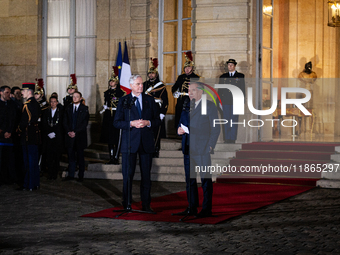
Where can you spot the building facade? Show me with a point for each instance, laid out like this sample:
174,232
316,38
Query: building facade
271,40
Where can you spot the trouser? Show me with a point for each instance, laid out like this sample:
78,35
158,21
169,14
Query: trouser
31,160
145,163
190,162
230,132
76,155
7,170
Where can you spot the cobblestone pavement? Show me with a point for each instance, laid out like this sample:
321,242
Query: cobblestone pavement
47,222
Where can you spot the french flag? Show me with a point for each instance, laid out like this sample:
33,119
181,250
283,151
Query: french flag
125,72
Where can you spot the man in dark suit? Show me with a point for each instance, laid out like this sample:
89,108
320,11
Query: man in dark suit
53,137
76,119
144,116
237,79
199,138
7,122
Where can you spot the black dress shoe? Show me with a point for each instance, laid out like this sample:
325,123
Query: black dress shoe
110,162
204,213
80,179
147,209
68,178
188,211
116,161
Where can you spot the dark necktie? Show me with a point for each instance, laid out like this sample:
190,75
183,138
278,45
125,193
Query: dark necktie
138,108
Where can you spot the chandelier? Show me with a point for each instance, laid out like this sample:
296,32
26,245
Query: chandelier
333,13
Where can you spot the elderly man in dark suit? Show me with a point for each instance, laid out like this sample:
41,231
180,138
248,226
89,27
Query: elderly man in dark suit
199,137
237,79
76,119
143,117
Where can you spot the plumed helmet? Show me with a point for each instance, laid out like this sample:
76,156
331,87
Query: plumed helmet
73,82
114,74
39,87
153,66
188,60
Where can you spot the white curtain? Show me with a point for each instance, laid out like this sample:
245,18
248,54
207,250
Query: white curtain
58,49
86,48
58,46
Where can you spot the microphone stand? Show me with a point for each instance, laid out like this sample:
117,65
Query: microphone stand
192,106
128,208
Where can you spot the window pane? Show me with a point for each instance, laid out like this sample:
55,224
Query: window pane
58,56
169,68
186,35
57,84
266,63
58,22
268,6
187,8
170,36
85,56
85,17
267,30
170,9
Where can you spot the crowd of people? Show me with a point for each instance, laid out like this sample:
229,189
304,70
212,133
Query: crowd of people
35,132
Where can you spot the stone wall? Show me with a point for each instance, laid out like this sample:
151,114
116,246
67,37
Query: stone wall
20,40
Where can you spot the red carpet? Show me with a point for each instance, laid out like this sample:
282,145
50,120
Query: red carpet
229,200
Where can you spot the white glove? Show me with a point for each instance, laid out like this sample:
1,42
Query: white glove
105,106
51,135
161,116
176,94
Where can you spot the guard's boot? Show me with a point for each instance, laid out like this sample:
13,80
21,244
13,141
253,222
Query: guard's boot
111,154
156,153
115,156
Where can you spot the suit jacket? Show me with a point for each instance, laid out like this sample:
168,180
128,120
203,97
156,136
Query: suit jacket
28,127
55,125
138,136
7,119
237,80
80,140
202,134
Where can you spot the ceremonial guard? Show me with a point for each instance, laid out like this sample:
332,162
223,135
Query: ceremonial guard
110,134
155,88
237,79
72,87
30,137
180,88
39,95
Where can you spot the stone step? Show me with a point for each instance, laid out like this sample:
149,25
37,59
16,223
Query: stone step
223,155
118,169
166,144
335,157
155,176
92,153
229,147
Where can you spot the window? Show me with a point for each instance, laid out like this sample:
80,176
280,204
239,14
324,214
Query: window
174,39
69,38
